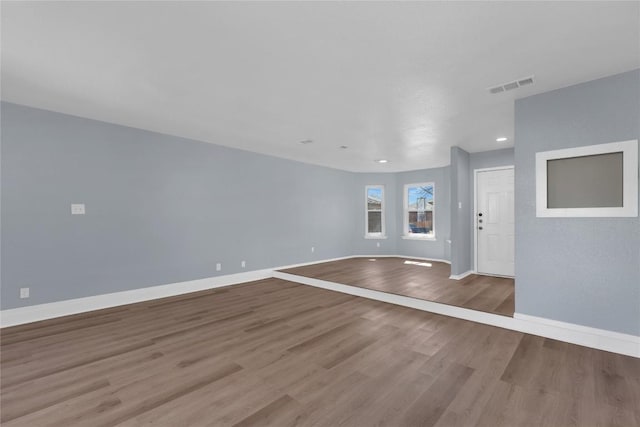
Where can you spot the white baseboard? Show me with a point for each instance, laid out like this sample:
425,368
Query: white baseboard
601,339
494,275
420,304
572,333
460,276
320,261
575,334
34,313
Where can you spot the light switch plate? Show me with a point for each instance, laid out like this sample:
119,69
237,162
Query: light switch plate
24,292
77,209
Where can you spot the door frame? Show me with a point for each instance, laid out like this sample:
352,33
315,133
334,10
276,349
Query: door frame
475,211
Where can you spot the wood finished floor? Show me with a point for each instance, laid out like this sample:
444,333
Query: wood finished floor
393,275
276,353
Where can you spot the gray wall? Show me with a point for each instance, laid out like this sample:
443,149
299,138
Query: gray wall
490,159
461,211
160,209
578,270
163,209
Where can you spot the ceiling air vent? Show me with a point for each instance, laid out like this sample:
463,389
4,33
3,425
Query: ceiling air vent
527,81
511,85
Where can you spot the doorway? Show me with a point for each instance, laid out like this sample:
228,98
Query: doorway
494,221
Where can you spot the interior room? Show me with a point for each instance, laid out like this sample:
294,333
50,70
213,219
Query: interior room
319,213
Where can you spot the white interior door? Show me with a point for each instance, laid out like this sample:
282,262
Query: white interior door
494,222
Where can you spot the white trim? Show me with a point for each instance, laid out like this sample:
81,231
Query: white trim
577,334
405,212
601,339
411,237
461,276
382,234
629,207
475,210
494,275
419,304
568,332
318,261
34,313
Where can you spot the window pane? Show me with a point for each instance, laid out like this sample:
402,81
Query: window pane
419,210
375,222
420,198
585,182
420,222
374,199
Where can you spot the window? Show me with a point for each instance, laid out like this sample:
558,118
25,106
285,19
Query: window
418,211
589,181
374,227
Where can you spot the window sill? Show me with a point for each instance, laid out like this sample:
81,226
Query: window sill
408,237
375,236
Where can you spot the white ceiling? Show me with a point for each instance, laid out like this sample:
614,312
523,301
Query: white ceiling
394,80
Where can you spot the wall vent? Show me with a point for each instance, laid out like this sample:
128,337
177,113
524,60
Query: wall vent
511,85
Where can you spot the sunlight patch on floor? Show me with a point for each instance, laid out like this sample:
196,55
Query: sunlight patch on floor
422,264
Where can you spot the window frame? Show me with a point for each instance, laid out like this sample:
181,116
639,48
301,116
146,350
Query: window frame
629,150
405,213
382,234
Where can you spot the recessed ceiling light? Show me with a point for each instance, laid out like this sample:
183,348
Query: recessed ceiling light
381,161
501,139
306,141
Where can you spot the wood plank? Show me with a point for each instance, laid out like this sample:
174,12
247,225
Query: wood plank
273,352
430,405
274,414
428,280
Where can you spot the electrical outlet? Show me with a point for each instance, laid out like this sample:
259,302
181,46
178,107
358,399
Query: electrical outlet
24,292
243,264
218,267
313,249
77,209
